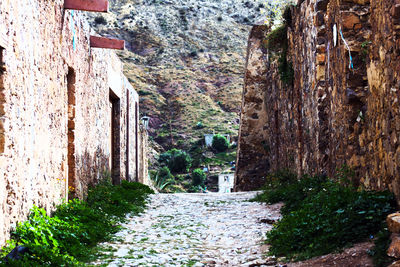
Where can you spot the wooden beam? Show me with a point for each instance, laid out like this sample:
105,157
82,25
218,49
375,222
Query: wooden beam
102,42
87,5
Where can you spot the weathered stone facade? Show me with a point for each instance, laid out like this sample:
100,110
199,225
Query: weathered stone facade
253,152
143,172
339,109
67,113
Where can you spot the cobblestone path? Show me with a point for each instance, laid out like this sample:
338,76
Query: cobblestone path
194,230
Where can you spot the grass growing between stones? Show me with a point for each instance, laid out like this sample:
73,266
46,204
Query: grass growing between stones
69,237
321,215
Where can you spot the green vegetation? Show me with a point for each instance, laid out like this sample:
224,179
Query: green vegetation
163,178
100,20
365,50
199,125
378,252
176,160
321,215
183,164
220,143
221,158
69,237
144,93
276,41
276,11
198,177
276,38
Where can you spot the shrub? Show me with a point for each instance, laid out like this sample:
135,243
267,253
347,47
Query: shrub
220,143
163,178
321,215
176,160
68,237
46,237
329,220
199,125
100,20
379,251
284,186
198,177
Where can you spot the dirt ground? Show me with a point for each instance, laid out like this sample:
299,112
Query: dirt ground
356,256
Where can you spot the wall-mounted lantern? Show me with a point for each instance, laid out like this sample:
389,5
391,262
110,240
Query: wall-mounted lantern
145,121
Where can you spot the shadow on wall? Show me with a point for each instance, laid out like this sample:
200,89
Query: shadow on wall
90,169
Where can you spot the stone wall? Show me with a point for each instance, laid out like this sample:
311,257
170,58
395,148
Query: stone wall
339,109
59,100
252,162
144,177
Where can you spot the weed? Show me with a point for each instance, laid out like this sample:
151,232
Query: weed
100,20
365,50
378,252
277,38
321,215
277,42
69,236
220,143
162,178
198,177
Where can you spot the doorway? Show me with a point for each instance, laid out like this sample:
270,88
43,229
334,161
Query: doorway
115,138
71,78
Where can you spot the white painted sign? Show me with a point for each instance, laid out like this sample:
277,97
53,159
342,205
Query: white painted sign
334,30
225,182
208,139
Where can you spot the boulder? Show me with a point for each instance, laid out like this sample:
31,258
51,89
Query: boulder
395,264
394,248
393,222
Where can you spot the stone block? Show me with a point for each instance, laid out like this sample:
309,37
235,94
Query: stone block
321,48
321,5
319,19
394,248
2,142
351,21
395,11
320,73
321,59
359,2
393,222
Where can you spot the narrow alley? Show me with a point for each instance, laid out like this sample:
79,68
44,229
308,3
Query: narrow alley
194,230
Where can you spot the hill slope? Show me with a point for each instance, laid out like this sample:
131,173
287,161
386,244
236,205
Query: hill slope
186,59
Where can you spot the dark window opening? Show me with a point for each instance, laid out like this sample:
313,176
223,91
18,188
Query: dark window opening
71,131
115,138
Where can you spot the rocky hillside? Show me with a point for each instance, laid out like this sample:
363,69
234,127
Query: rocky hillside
186,59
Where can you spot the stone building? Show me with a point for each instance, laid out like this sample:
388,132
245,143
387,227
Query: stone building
343,104
68,115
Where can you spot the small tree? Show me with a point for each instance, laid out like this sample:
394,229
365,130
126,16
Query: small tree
198,177
100,20
220,143
176,160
